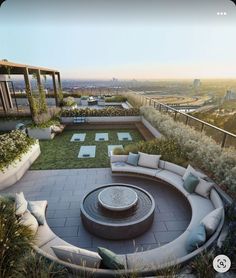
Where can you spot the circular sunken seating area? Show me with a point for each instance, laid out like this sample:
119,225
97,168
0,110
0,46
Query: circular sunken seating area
149,261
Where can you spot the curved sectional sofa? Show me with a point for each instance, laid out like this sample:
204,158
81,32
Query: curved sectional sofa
146,262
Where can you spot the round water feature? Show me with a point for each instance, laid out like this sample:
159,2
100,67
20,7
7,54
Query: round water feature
117,211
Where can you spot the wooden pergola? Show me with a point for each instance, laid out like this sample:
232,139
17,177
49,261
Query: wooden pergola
9,68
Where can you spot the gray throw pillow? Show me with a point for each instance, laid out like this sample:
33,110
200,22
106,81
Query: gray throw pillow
196,238
133,159
110,259
190,183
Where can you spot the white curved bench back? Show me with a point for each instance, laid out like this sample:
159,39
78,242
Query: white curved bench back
215,199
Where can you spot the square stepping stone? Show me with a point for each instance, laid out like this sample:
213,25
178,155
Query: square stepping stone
112,147
78,137
101,137
124,136
87,152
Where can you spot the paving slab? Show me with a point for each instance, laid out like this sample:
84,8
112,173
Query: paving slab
65,189
78,137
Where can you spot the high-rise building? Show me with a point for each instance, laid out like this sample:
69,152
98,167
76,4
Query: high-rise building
196,83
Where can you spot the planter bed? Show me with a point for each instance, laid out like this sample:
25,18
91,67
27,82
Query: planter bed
41,133
123,119
16,170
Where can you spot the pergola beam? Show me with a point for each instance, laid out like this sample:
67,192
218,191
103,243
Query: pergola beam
29,91
9,68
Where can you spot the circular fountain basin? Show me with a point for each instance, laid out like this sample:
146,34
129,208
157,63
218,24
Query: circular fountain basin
124,219
117,198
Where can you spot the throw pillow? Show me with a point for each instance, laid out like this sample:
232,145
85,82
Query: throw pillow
37,212
190,183
191,170
204,188
148,160
110,259
30,221
212,220
21,203
196,238
77,256
133,159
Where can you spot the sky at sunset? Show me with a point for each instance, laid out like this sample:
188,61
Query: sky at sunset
123,39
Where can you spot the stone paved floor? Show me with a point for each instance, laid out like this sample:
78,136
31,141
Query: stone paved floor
64,190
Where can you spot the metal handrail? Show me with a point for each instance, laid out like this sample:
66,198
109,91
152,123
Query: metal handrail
158,105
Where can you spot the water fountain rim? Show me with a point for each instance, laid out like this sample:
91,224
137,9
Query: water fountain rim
131,223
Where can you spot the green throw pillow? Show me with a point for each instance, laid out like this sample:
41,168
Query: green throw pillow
190,183
133,159
196,238
110,259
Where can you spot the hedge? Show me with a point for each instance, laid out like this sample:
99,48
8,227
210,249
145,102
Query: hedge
105,112
12,146
201,150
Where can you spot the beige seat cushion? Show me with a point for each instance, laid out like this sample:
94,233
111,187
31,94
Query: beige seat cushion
172,178
118,158
148,160
161,255
200,208
27,219
179,170
133,169
21,203
44,235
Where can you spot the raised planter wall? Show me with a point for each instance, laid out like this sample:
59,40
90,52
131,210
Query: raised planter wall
152,129
41,133
16,170
123,119
10,124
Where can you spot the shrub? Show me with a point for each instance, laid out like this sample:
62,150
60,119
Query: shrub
106,112
17,259
69,101
202,265
39,267
45,124
116,99
12,146
15,240
229,244
202,151
169,150
119,151
52,112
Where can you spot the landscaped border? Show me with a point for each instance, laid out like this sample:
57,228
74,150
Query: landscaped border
17,168
202,151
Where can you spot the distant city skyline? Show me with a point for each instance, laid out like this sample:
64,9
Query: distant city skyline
102,40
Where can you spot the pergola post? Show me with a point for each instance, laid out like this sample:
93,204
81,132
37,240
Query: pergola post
29,91
59,80
55,88
38,76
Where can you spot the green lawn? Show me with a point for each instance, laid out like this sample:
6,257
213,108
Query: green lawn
60,153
